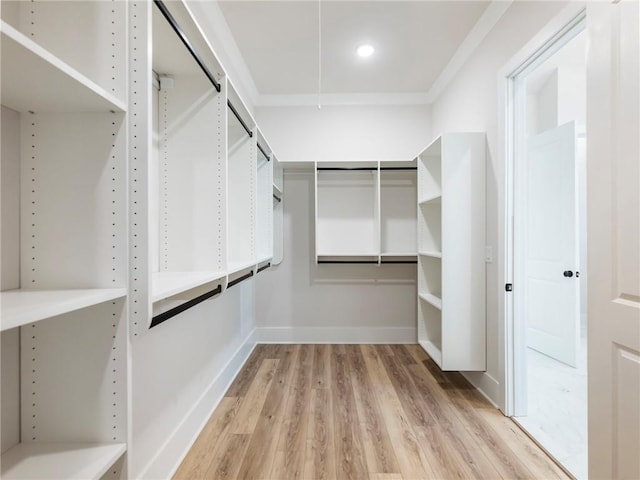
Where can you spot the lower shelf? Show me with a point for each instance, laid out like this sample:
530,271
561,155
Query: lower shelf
167,284
21,307
431,299
432,350
60,460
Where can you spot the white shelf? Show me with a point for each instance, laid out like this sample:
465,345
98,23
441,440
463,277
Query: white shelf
40,82
60,460
21,307
167,284
435,198
431,254
432,350
277,191
431,299
234,267
264,258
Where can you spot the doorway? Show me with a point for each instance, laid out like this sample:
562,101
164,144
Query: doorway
549,315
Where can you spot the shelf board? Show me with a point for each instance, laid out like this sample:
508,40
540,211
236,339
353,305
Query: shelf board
430,254
277,191
264,258
432,350
60,460
431,299
21,307
235,267
434,198
35,80
167,284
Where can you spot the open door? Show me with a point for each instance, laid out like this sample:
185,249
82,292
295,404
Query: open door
613,178
551,302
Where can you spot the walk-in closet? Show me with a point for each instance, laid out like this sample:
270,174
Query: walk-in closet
308,239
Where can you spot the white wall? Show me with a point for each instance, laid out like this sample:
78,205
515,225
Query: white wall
470,103
180,371
350,132
299,300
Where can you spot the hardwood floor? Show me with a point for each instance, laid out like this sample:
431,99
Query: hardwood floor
374,412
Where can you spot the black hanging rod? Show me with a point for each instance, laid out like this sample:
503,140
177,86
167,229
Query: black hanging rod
263,152
235,112
238,280
176,28
264,267
348,168
277,198
368,262
164,316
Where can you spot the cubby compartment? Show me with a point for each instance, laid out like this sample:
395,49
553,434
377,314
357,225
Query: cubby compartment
187,169
242,164
63,204
67,387
398,190
347,220
430,227
264,198
430,329
430,281
88,38
430,173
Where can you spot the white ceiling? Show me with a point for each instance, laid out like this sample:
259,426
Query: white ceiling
414,42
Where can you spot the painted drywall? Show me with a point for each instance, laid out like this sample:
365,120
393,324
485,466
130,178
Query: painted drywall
470,103
180,370
345,132
299,301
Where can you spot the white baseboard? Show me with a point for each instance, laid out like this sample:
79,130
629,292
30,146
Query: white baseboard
336,335
488,386
168,458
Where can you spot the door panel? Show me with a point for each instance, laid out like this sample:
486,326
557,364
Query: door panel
613,178
551,300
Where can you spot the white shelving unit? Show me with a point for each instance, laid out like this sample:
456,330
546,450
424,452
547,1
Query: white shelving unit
242,178
264,201
188,210
278,211
64,235
451,238
366,212
398,190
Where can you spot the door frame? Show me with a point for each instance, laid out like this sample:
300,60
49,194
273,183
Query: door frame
563,28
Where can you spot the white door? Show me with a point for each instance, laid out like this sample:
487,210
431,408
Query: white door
552,288
613,239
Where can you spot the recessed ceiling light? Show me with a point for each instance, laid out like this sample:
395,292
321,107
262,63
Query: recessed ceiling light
365,51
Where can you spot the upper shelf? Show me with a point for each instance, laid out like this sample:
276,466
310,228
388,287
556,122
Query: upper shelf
21,307
34,80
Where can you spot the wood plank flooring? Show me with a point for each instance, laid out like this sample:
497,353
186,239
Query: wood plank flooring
361,412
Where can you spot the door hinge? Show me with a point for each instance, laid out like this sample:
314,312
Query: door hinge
508,287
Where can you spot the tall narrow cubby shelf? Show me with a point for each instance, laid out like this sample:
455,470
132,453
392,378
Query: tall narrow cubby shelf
451,239
264,203
64,235
187,167
278,211
242,177
365,212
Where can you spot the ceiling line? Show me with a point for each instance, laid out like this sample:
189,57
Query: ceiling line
480,30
